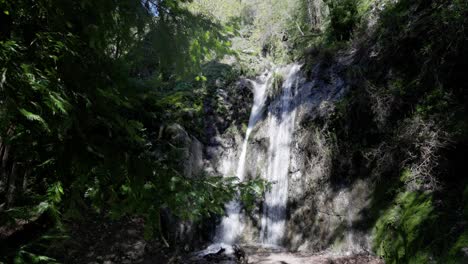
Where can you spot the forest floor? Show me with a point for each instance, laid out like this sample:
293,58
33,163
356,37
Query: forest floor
305,258
95,241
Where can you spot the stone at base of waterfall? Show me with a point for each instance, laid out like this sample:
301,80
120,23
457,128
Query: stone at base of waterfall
220,253
216,248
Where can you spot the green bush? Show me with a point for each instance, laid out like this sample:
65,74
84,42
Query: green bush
344,16
400,232
455,254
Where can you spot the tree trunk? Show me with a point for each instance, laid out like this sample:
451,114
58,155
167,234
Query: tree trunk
4,163
23,183
11,189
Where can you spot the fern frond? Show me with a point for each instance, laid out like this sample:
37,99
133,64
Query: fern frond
33,117
58,103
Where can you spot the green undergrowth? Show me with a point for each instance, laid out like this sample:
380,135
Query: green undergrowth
412,83
402,231
414,230
455,254
183,106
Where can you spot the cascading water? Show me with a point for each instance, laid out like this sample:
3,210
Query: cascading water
231,226
281,115
301,190
281,118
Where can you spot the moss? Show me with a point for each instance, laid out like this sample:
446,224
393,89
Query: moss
277,84
244,128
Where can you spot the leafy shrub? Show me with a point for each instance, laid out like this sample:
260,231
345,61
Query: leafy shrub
344,16
400,232
455,255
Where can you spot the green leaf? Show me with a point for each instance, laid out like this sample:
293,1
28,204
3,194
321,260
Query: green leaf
42,207
33,117
55,193
58,103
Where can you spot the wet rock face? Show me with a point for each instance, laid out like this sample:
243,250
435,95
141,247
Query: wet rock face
226,109
226,115
326,209
323,212
320,215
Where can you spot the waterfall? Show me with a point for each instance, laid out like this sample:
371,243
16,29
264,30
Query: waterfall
281,126
231,226
281,115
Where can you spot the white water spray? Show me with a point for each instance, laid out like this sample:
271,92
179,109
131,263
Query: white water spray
281,115
231,226
281,118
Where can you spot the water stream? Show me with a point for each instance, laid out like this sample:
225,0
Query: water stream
281,115
231,226
281,127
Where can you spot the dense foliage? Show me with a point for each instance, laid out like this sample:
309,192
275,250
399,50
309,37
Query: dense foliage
405,126
99,100
78,118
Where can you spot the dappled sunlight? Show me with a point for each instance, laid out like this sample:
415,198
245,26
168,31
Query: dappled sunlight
233,132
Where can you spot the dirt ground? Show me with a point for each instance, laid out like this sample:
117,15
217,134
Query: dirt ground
122,242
